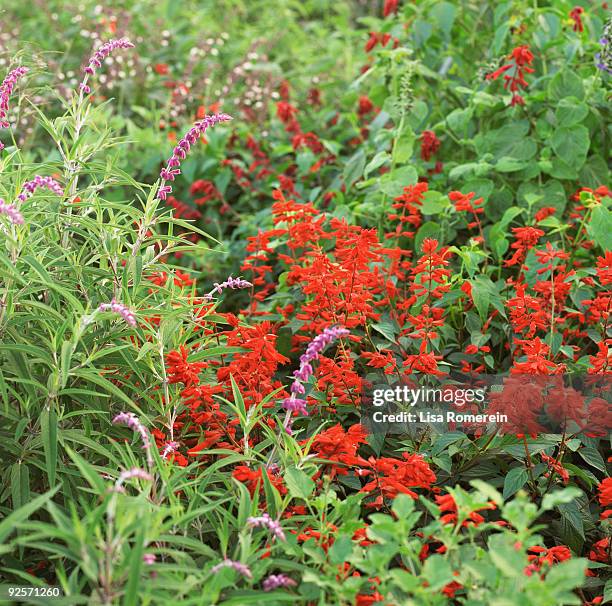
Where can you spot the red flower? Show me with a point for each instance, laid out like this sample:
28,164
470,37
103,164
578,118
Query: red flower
605,492
448,507
521,60
285,111
600,551
465,202
540,557
527,312
161,69
429,144
390,7
409,203
576,16
253,479
544,212
537,361
205,189
337,445
556,467
604,268
383,359
525,238
181,371
601,362
391,477
521,400
550,254
375,39
365,106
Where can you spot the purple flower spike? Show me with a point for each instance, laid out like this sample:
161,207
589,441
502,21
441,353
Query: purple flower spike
294,404
179,153
47,182
304,372
149,558
96,59
274,581
604,57
232,283
6,89
10,210
265,521
239,567
169,448
120,309
134,473
133,422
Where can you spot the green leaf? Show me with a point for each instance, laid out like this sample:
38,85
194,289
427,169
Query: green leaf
592,457
404,147
298,483
571,513
571,111
354,168
607,594
444,13
484,294
506,164
394,182
566,83
48,428
387,328
568,575
20,484
571,144
135,565
434,203
560,497
437,571
515,479
427,230
376,162
8,525
87,471
341,549
403,506
600,227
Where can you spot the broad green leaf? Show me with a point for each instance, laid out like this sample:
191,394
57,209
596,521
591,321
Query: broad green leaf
515,479
298,483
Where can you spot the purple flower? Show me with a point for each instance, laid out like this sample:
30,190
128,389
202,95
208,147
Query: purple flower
179,153
134,473
149,558
274,581
120,309
229,283
96,59
133,422
304,372
31,186
265,521
604,57
10,210
169,448
130,474
239,567
6,88
294,404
